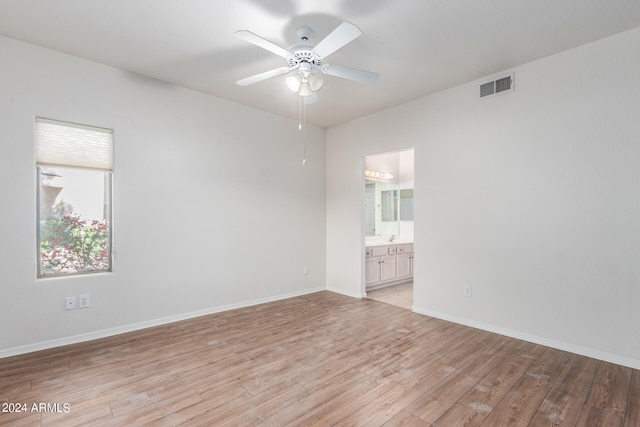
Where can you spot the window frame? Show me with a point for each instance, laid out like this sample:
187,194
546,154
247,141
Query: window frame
107,210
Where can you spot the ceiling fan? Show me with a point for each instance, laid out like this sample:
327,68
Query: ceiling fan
305,58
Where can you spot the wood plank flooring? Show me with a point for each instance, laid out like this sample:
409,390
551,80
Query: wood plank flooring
399,295
320,359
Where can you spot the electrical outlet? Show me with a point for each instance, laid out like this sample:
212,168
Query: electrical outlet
467,291
305,269
70,303
84,301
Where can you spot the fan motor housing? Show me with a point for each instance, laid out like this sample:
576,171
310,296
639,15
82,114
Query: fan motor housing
302,56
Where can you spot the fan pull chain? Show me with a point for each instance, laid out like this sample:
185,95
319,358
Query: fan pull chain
302,109
299,113
302,112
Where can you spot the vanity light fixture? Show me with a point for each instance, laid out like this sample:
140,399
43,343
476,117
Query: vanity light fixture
376,174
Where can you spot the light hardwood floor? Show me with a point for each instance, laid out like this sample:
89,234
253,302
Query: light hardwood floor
322,359
399,295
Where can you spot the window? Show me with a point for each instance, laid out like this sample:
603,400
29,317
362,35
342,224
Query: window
74,171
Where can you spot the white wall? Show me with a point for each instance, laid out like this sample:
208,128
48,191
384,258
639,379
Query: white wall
532,198
213,208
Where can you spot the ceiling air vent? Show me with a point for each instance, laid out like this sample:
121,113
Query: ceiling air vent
503,84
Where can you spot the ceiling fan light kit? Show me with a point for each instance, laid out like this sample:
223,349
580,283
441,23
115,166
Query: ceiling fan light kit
315,82
305,90
304,59
293,82
304,86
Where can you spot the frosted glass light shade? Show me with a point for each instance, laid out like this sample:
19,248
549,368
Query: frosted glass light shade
315,82
293,82
305,90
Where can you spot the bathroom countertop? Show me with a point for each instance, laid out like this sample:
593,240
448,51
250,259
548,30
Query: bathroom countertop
386,242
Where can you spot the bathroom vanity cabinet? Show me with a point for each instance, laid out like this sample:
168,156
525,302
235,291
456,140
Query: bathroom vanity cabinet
388,264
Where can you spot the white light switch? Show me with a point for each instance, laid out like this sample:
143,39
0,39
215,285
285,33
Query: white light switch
84,301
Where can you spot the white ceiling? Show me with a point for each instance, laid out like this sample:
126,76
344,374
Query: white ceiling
419,47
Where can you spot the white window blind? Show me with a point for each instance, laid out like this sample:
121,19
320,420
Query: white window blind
69,144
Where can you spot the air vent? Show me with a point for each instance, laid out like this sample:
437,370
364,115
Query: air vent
503,84
487,89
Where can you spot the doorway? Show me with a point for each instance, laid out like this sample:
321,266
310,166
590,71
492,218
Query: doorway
388,225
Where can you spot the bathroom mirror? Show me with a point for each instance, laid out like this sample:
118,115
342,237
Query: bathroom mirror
381,209
388,204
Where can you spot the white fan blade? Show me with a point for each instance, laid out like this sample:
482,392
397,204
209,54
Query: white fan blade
350,73
263,43
343,34
312,99
262,76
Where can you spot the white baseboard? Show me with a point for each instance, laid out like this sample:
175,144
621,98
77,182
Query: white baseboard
143,325
595,354
346,293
